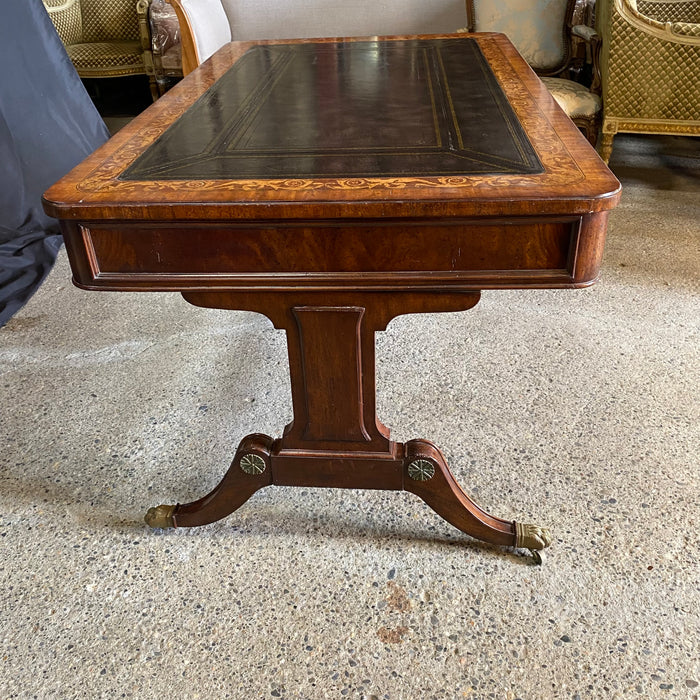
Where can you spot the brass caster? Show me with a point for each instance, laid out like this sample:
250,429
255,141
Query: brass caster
537,556
532,537
160,516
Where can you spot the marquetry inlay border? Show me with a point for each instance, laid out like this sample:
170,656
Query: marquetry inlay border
572,169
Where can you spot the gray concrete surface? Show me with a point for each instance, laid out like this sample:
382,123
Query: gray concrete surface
576,410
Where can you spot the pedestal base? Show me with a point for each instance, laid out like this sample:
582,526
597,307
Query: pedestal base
416,466
336,439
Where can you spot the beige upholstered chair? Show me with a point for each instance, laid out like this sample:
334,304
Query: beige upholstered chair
650,65
541,31
104,38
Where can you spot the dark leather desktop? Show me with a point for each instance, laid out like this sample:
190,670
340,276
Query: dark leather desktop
361,109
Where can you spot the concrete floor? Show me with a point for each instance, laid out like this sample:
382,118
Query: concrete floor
576,410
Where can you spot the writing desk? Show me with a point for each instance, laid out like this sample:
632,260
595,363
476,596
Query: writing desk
332,185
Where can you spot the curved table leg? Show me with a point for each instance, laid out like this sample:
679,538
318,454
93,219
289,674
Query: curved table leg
249,472
428,477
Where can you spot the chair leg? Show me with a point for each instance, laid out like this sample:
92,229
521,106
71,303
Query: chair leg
606,145
153,84
589,127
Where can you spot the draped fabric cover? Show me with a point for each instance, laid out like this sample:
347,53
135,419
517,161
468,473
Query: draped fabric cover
47,125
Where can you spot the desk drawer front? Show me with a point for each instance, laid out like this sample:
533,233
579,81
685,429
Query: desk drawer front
378,255
459,251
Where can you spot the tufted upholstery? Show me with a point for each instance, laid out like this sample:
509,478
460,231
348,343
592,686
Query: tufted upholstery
103,38
649,65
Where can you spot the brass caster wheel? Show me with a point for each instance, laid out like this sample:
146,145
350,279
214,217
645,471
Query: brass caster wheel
160,516
532,536
537,556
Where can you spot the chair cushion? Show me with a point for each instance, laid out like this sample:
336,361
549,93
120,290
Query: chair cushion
114,55
575,99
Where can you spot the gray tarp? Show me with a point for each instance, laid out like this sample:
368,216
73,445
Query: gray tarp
47,125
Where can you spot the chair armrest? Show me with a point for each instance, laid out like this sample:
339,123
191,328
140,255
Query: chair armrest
144,27
588,34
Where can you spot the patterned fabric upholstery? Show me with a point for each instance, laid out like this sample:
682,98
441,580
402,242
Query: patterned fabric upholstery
113,20
686,29
670,11
97,57
101,36
68,22
642,84
650,81
575,99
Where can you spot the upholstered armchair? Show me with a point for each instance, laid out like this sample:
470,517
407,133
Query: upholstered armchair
105,38
541,31
650,66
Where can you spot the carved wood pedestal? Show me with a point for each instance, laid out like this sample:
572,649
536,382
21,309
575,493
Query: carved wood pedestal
336,439
332,185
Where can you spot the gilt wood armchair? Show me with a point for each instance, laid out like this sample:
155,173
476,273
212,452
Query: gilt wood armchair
541,30
105,38
650,66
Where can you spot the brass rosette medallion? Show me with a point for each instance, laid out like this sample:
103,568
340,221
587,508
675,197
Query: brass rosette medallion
421,470
252,464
